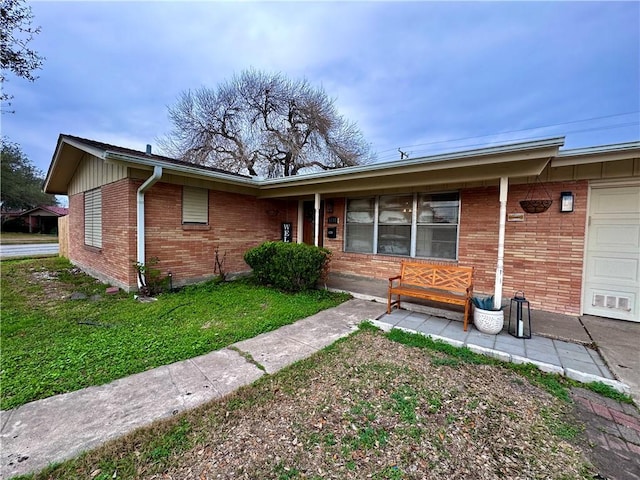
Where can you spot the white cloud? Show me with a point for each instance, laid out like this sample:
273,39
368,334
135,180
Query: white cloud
407,72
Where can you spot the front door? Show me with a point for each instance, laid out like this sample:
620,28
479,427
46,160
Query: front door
612,269
308,223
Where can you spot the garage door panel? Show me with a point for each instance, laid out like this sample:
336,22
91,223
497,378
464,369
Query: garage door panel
612,267
615,201
614,237
620,271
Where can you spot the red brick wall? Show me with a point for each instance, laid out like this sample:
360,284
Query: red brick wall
236,223
543,254
113,262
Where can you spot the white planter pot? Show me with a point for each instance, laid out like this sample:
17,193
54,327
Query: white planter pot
488,321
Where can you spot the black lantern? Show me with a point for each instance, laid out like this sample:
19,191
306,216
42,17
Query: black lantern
566,202
521,327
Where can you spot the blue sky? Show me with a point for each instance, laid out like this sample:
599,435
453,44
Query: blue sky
412,75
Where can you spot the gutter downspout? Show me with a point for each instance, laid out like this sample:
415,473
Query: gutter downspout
157,174
497,295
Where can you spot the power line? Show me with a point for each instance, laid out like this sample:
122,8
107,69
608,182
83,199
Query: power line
608,127
516,131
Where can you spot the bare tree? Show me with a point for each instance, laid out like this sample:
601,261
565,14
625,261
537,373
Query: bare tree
15,34
263,124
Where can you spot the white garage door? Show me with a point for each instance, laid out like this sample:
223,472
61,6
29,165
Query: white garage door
612,271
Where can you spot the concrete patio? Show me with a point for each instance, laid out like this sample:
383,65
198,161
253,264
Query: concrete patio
584,348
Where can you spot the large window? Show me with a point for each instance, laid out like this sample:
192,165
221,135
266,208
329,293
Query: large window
93,218
415,225
195,205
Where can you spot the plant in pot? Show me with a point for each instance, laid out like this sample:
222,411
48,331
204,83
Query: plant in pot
486,317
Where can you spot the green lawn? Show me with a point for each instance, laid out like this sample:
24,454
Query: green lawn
51,344
371,405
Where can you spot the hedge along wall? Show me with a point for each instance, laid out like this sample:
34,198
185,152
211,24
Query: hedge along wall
543,253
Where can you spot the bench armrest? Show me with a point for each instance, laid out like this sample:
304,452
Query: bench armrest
397,277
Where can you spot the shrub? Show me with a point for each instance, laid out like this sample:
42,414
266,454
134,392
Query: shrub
292,267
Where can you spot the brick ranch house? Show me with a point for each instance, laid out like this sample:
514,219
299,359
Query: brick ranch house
127,206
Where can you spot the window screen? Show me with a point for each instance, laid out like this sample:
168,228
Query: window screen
195,205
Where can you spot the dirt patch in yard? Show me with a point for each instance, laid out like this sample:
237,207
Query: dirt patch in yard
366,408
47,282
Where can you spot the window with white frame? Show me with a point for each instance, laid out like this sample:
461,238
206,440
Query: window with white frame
195,205
93,218
413,225
437,225
394,224
360,221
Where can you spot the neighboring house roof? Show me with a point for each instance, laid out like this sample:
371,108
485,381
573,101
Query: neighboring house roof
54,210
515,160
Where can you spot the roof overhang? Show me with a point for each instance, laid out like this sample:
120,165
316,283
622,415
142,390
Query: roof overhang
605,153
65,161
486,164
183,170
515,160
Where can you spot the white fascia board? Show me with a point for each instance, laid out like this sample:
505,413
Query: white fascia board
554,142
614,147
193,171
603,153
96,152
461,155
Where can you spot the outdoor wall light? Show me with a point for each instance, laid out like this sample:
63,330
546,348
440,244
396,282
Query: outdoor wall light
566,202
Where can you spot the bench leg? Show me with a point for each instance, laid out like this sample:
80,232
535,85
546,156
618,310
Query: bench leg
391,303
466,316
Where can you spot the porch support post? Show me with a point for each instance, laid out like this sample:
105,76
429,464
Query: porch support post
300,236
497,295
316,223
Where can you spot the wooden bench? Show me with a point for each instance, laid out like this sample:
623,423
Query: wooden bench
439,283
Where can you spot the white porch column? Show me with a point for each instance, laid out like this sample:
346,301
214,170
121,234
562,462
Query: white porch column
497,295
316,223
300,230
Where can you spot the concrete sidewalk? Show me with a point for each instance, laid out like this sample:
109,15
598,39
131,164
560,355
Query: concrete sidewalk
57,428
61,427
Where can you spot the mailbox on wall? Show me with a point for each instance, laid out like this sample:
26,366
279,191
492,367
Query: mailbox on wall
286,232
332,232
